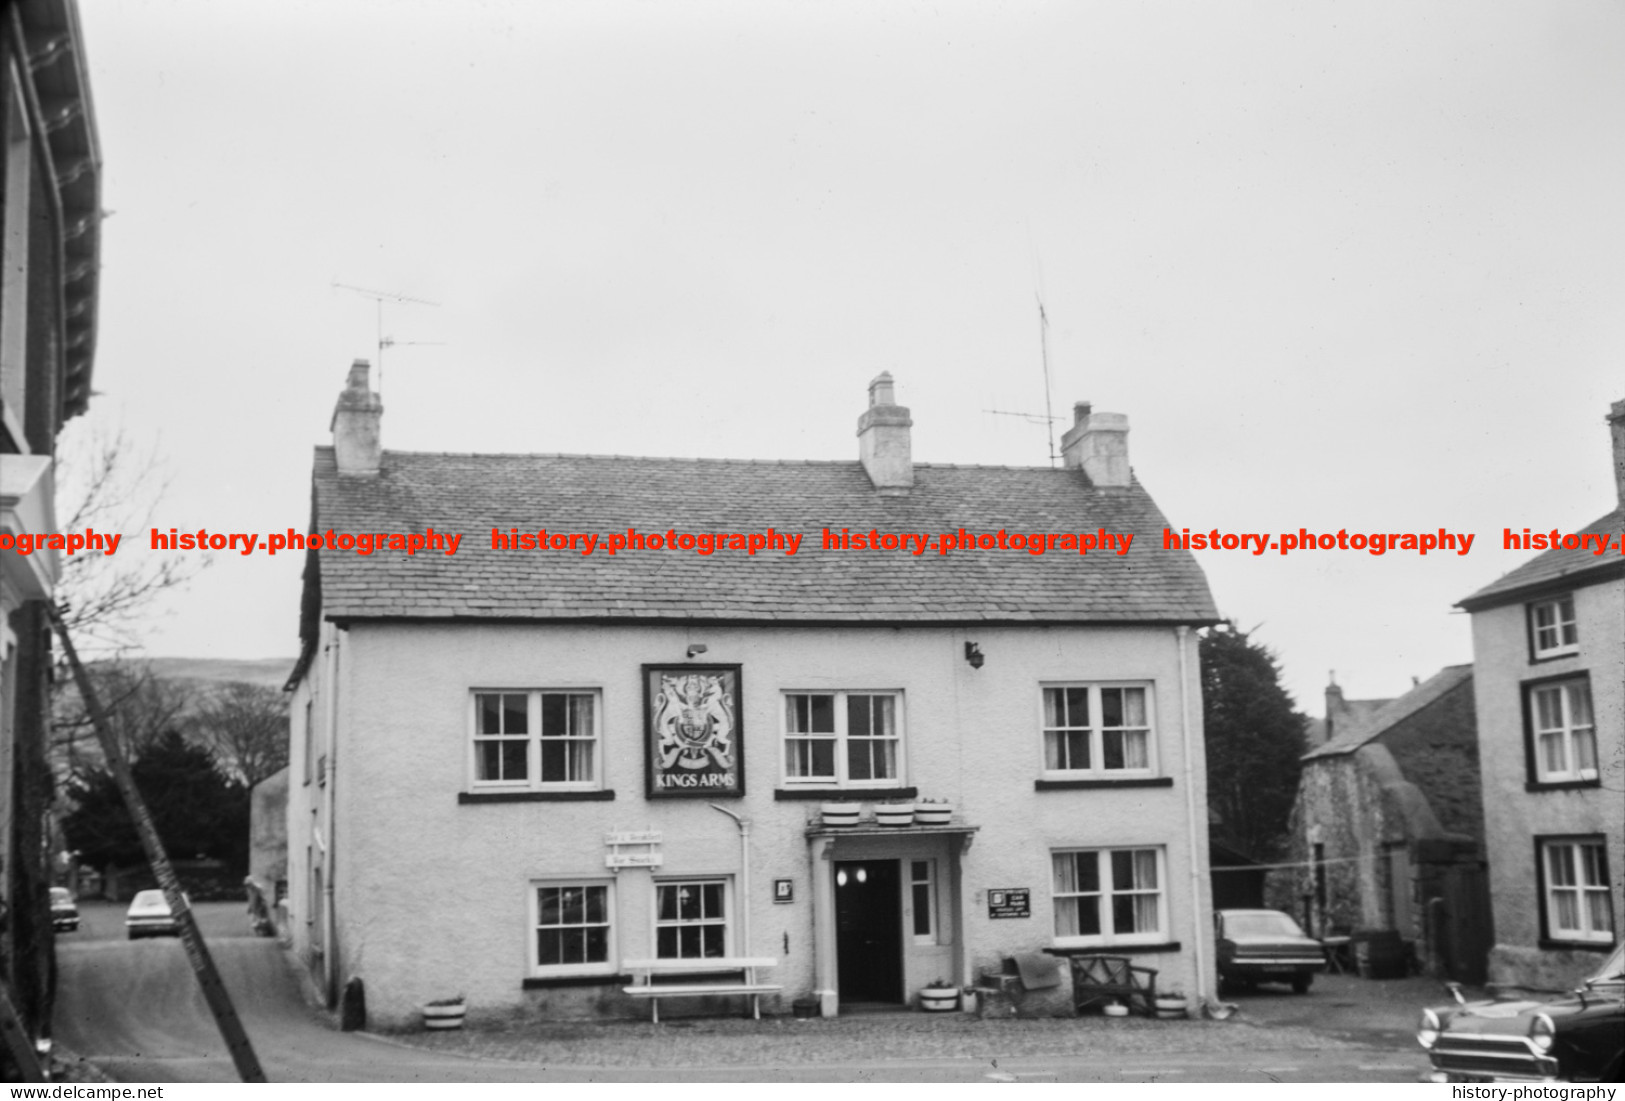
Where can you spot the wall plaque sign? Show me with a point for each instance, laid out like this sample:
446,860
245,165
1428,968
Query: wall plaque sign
1010,902
644,846
693,740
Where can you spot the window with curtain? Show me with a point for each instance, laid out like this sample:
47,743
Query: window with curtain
1563,731
536,740
1109,896
842,739
1098,730
1575,876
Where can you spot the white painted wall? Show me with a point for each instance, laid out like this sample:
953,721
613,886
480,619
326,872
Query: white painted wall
432,895
1513,817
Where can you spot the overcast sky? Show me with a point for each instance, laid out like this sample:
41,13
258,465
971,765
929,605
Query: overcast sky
1341,264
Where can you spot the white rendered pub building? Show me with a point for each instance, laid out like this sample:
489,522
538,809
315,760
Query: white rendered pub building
514,770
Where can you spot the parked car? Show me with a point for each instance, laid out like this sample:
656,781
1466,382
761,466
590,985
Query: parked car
64,912
1577,1037
1257,946
149,916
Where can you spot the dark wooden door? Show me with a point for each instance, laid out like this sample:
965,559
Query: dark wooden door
869,931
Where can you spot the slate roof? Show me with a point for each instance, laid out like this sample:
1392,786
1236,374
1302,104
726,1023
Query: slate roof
471,494
1555,567
1374,723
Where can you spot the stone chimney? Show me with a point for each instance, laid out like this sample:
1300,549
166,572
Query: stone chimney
1616,421
883,440
356,442
1097,444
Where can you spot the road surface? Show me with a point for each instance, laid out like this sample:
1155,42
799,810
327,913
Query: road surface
133,1009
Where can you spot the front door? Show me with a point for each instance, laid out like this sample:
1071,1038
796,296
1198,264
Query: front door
868,931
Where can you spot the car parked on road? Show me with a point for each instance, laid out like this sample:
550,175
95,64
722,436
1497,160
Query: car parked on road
1577,1037
1257,946
64,911
149,916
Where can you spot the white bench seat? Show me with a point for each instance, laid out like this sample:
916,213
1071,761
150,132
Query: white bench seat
644,971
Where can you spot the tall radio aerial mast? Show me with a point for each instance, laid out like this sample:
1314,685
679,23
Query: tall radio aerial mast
379,298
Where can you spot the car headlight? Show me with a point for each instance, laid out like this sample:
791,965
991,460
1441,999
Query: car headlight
1427,1033
1542,1033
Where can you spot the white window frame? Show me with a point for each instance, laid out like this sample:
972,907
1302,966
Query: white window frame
1569,733
1108,891
1587,884
929,883
839,737
1096,730
728,911
608,965
532,780
1558,627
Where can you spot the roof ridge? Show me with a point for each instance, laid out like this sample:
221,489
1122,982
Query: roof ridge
616,456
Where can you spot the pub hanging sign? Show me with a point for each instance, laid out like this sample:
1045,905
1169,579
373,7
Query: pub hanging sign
693,741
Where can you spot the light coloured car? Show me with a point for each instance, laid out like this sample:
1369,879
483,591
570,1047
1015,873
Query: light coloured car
149,916
1575,1037
64,912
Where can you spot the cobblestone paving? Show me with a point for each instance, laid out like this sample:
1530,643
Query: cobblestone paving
868,1038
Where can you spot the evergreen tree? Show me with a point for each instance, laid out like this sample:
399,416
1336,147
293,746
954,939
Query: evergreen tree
196,809
1254,738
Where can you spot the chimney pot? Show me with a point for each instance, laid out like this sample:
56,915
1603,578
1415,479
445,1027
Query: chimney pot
883,440
357,444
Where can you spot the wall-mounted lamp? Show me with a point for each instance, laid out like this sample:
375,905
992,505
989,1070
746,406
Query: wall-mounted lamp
695,648
973,654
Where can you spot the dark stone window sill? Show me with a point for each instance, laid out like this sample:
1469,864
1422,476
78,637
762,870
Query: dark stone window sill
1126,782
1116,949
1563,785
843,795
576,980
535,796
1575,946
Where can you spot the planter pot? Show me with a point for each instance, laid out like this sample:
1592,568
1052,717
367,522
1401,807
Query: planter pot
939,999
804,1008
444,1016
839,814
932,814
1170,1008
967,1000
894,814
1115,1010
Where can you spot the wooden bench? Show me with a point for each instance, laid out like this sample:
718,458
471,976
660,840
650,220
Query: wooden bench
1100,980
644,973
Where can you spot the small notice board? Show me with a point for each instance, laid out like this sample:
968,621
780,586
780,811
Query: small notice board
1010,902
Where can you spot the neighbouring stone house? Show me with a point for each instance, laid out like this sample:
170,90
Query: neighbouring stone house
1549,650
512,770
1387,831
50,234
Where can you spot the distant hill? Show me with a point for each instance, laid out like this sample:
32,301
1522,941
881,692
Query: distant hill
271,672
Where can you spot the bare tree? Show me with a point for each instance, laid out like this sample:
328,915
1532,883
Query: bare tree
141,708
108,483
247,727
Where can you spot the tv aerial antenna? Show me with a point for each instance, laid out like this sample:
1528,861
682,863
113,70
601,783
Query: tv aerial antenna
1047,418
379,298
